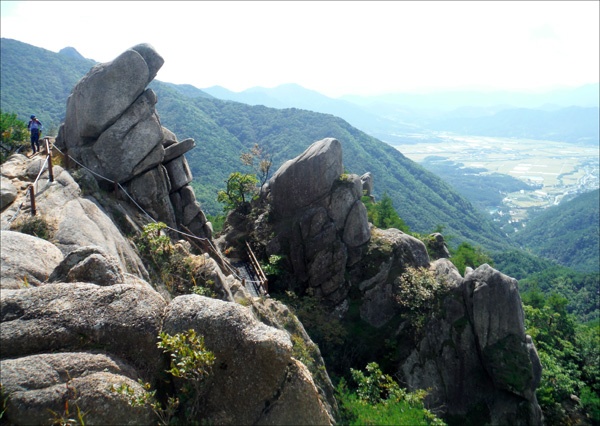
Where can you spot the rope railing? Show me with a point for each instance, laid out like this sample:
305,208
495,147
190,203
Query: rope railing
207,243
188,235
32,189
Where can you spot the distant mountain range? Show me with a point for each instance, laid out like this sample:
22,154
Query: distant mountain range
569,115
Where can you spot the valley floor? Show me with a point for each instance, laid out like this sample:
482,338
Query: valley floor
554,170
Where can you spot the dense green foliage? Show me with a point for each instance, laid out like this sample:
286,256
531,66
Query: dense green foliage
13,134
468,256
240,189
379,400
582,290
383,215
568,233
570,356
37,81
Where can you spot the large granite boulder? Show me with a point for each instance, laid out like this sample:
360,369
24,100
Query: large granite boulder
8,192
107,91
26,260
255,380
41,386
124,319
308,177
388,254
113,129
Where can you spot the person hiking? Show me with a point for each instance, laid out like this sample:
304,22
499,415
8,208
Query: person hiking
35,127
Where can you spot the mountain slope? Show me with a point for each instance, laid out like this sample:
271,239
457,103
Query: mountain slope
37,81
567,233
422,199
223,130
295,96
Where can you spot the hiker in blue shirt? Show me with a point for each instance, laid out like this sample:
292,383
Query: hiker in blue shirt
35,127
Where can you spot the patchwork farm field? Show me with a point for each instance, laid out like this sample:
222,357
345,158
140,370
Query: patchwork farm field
554,170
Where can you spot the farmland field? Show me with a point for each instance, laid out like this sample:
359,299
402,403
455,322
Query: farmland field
555,171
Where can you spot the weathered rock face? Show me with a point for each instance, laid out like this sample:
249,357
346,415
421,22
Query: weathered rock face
318,218
476,358
309,177
8,193
83,323
39,384
123,318
112,127
26,260
255,379
473,354
73,221
77,315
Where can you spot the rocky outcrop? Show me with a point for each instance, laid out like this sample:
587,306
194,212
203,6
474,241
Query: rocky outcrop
475,357
38,384
26,260
112,127
78,316
472,353
256,380
8,193
72,221
320,227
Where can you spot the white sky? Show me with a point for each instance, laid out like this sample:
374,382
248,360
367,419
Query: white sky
338,47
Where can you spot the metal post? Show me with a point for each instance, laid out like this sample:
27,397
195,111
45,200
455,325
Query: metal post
32,197
49,151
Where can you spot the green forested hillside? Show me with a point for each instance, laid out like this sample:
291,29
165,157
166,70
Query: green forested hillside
422,199
567,233
223,130
38,81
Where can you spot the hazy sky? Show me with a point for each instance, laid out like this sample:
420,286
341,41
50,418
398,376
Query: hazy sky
334,47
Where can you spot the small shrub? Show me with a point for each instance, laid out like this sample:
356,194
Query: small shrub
189,357
190,361
69,416
148,397
34,225
273,268
418,291
378,399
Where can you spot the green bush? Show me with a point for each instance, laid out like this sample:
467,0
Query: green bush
34,225
467,255
13,134
176,269
379,400
418,291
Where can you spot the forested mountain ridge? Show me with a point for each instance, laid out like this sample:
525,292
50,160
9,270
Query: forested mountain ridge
563,115
422,199
567,233
38,81
223,130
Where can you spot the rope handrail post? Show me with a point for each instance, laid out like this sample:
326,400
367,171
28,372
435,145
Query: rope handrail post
32,198
49,151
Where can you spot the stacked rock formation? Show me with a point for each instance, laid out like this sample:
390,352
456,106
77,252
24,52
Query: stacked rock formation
112,127
78,315
473,354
